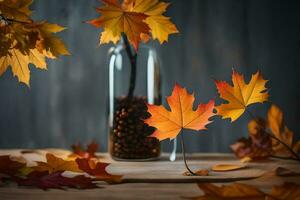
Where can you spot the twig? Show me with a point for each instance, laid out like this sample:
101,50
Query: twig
9,20
132,58
183,152
277,139
284,144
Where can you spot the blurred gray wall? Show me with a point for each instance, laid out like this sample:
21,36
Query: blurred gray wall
67,103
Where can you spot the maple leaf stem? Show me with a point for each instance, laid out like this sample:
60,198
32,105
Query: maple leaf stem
275,138
184,158
132,58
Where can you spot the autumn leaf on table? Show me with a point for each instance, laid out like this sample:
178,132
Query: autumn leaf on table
78,151
24,41
55,164
168,124
9,166
227,167
44,180
233,191
97,170
240,95
282,132
287,191
136,19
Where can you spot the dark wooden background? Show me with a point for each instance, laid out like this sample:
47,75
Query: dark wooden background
67,103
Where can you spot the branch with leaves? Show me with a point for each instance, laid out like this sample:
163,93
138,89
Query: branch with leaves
262,143
134,21
25,41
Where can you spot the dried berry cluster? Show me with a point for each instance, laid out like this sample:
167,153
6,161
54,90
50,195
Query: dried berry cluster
129,134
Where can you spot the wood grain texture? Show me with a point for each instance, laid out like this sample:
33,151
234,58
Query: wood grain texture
67,103
146,176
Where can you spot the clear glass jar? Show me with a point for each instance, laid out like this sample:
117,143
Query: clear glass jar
128,134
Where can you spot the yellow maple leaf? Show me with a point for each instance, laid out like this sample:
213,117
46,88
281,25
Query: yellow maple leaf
107,36
17,10
52,45
240,95
19,63
31,43
55,164
168,124
161,26
24,41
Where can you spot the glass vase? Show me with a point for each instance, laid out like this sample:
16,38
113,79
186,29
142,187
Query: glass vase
130,88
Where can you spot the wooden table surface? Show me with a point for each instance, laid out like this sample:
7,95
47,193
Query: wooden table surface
160,179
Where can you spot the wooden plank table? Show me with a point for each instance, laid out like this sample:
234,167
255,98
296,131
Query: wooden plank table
160,179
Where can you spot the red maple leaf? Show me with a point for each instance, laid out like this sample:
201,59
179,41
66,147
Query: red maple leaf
88,153
44,180
8,166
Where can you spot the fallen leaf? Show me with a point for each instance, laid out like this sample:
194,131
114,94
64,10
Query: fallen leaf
168,124
98,170
240,95
233,191
44,180
55,164
277,173
227,167
280,131
287,191
246,159
9,166
78,151
201,172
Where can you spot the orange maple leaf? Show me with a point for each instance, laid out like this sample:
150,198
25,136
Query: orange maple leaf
136,19
98,170
55,164
116,20
240,95
168,124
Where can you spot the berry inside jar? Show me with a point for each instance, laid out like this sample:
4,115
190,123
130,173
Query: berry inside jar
129,138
